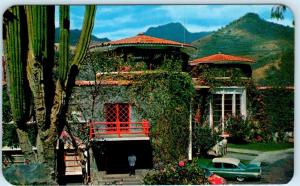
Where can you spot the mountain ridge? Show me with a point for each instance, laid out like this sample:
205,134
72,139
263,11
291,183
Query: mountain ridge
174,31
74,37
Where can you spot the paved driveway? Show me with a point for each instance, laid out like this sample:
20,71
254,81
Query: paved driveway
277,167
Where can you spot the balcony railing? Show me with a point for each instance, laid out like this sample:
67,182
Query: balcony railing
118,129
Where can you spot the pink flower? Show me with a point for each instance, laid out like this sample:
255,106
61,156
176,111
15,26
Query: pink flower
181,164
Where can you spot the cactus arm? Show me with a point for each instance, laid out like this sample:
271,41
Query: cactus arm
16,51
85,36
35,63
16,65
64,22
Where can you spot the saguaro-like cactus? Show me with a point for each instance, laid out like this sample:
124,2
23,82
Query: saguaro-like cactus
15,43
16,61
30,53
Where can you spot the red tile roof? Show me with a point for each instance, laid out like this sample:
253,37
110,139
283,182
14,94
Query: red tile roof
219,58
143,39
103,82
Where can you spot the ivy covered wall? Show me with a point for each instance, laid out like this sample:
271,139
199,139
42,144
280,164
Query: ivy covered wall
162,97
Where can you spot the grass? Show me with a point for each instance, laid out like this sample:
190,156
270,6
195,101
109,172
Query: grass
263,146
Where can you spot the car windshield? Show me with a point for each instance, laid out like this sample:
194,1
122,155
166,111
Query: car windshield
242,166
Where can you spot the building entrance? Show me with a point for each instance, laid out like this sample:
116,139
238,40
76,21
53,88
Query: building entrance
112,156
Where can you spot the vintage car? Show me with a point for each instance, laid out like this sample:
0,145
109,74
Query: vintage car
232,168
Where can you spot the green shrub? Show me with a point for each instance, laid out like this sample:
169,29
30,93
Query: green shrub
173,174
239,129
203,139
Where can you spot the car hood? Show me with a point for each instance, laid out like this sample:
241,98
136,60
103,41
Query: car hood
256,164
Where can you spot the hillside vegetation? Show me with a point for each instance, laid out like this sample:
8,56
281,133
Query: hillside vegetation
252,37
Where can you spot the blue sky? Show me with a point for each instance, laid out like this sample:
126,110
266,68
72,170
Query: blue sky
121,21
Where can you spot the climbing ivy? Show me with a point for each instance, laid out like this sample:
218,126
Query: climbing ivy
164,99
223,75
162,96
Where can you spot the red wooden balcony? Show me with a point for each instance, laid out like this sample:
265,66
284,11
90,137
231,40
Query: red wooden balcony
120,130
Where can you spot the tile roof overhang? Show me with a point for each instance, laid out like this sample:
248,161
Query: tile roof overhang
142,41
221,59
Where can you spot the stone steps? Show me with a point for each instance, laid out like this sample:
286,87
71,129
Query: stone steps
119,179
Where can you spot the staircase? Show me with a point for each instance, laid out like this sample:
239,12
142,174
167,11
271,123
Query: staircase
119,179
72,163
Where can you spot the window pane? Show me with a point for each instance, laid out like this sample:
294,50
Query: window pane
110,112
217,109
110,116
228,104
218,165
238,104
124,112
124,115
229,166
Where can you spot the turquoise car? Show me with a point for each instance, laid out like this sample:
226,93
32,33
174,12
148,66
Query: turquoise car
232,168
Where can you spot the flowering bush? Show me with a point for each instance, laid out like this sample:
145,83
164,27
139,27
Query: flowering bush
182,173
239,129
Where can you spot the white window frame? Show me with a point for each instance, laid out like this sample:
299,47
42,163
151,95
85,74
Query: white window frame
229,90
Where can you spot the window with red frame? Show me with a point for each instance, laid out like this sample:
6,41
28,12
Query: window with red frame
118,115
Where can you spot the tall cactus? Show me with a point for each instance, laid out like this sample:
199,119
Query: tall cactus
31,56
15,49
16,63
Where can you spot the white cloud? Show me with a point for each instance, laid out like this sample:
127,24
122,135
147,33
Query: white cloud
210,11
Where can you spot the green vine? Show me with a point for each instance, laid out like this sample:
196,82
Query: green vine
223,75
161,96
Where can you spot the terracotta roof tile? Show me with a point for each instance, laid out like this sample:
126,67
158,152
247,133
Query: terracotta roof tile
143,39
219,58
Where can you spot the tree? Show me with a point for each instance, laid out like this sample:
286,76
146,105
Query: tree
29,51
278,11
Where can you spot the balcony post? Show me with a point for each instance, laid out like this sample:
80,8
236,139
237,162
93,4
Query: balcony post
118,128
145,124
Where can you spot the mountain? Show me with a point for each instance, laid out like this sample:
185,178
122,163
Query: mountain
74,37
252,37
175,32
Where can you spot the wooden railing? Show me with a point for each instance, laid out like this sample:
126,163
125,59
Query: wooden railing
118,129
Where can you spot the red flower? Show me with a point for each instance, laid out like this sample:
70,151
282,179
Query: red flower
181,164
